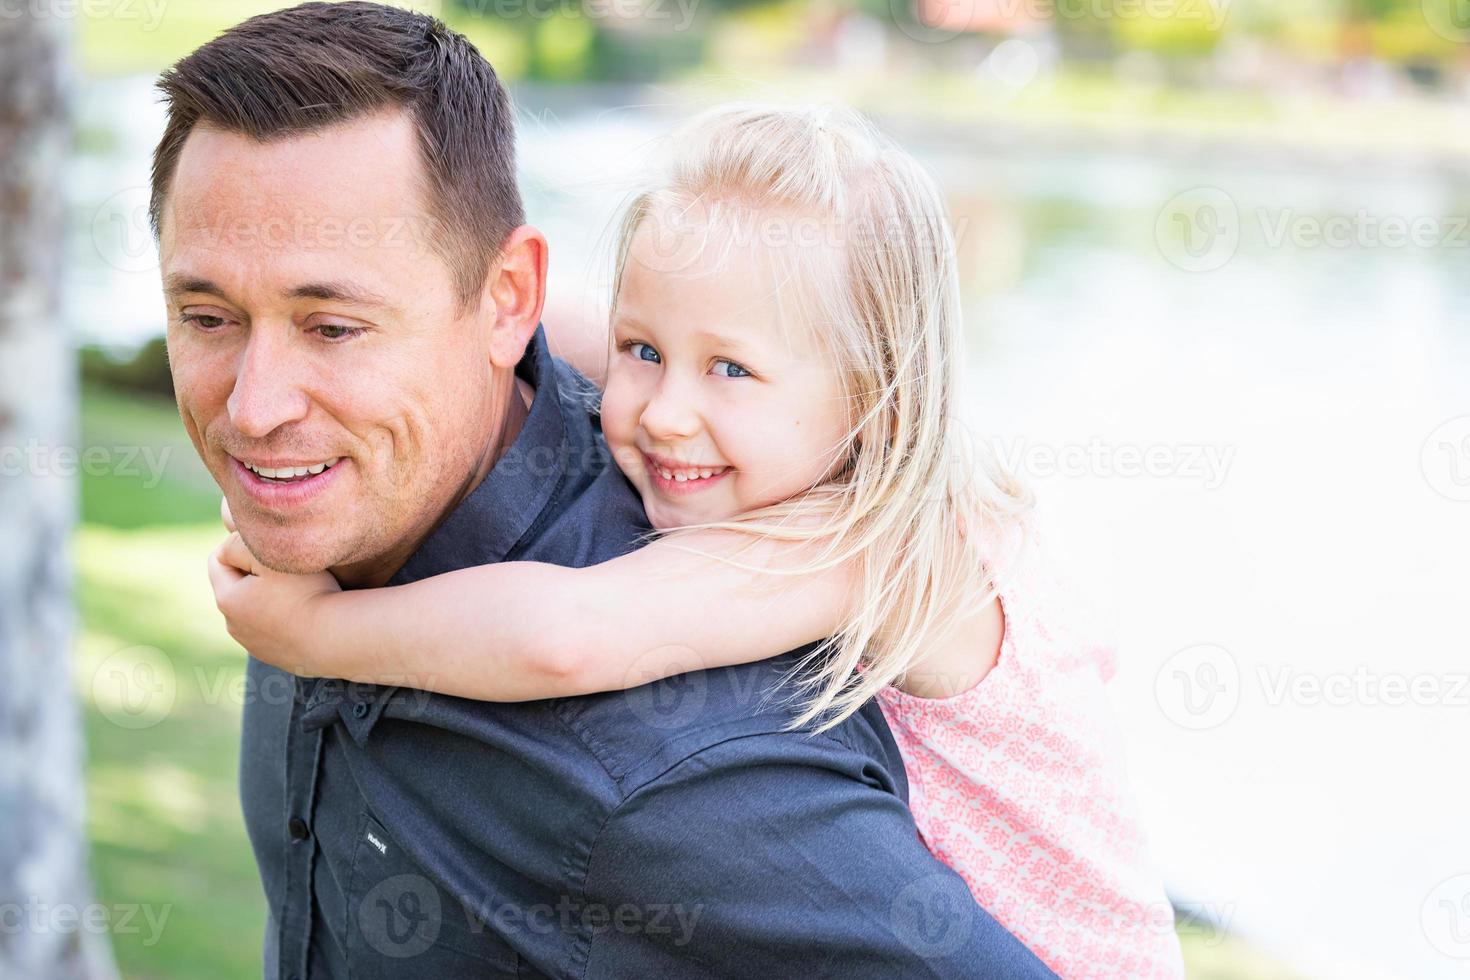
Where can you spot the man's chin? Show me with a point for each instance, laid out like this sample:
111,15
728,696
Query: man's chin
281,551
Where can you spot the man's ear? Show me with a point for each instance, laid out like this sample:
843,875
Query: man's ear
516,291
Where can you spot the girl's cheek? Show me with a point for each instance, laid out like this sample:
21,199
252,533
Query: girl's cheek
618,432
613,409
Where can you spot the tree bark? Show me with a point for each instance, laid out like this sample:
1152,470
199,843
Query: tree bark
44,886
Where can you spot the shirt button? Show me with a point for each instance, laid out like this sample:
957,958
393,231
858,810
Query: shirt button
297,828
361,709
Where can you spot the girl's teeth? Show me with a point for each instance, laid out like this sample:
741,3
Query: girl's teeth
683,477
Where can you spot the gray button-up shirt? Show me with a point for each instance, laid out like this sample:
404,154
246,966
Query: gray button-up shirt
671,830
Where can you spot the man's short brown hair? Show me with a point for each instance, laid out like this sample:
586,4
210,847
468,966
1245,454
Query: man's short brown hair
292,71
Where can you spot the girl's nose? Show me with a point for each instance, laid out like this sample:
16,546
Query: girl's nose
671,412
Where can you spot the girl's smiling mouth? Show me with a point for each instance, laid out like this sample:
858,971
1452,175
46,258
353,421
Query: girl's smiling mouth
683,480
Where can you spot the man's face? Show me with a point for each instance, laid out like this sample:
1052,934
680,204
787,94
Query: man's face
322,365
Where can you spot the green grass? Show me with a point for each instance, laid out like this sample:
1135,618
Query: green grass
154,476
163,809
1210,955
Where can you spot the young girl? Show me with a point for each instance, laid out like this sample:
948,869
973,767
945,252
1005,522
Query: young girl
781,390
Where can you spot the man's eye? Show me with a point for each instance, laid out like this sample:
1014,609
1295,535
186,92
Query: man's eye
203,320
736,371
336,331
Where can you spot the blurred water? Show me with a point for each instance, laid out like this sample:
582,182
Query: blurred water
1305,519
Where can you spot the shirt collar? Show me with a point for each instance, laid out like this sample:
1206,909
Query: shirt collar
496,514
487,524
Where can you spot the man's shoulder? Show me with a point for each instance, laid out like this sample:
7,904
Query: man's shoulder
730,716
596,517
596,514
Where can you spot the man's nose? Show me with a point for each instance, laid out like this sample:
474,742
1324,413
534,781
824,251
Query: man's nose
267,394
672,410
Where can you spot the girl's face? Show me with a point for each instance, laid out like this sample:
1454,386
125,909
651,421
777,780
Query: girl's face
710,381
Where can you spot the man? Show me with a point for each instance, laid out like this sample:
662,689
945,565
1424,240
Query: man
354,301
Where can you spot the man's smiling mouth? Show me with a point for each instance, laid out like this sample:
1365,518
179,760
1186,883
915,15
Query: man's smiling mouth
291,473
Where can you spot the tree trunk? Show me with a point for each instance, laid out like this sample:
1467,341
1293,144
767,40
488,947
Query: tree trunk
44,887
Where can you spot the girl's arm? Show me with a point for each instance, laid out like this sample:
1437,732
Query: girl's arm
526,630
578,335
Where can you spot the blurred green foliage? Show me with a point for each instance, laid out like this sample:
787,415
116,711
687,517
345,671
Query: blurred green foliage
144,370
573,40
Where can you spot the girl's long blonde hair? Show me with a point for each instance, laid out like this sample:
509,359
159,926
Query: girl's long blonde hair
884,302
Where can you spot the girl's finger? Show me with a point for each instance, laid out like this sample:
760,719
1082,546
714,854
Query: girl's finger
221,575
233,552
225,515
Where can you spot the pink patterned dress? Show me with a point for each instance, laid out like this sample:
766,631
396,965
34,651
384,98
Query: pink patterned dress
1019,785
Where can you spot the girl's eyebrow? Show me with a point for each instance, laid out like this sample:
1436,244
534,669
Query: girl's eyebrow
624,322
723,341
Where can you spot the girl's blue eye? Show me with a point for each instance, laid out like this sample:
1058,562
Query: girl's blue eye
652,357
736,370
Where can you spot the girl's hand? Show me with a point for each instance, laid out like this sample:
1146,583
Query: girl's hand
275,616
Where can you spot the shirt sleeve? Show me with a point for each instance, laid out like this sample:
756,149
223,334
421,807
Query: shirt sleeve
773,856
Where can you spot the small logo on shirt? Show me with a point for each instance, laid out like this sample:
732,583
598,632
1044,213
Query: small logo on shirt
373,840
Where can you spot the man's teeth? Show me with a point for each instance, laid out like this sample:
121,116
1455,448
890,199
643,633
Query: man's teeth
291,472
683,476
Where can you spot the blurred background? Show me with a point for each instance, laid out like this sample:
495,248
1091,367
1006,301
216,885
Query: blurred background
1218,300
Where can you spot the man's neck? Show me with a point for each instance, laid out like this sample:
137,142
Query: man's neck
376,573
